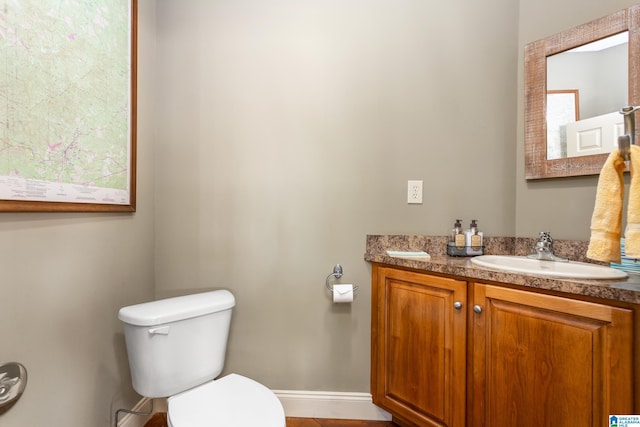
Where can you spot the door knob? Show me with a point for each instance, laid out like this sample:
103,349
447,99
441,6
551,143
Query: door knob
477,309
457,305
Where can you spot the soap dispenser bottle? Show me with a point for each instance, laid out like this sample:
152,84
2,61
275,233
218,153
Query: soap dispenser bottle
457,237
475,239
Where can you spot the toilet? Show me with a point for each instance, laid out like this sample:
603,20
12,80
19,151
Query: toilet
176,349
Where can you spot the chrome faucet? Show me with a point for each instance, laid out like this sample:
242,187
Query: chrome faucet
544,249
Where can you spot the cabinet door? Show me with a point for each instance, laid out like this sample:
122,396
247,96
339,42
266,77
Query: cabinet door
541,360
418,347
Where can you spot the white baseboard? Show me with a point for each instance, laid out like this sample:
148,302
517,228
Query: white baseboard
296,403
328,404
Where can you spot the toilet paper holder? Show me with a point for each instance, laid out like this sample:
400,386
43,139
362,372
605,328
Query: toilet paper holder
337,273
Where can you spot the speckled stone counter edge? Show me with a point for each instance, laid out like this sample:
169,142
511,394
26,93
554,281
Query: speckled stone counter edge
618,290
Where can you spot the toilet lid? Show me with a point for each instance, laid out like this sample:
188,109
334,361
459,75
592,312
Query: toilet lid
231,401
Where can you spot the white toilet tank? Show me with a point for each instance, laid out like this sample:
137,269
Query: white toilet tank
177,343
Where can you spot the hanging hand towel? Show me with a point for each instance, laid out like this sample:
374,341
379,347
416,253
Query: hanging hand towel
606,221
632,232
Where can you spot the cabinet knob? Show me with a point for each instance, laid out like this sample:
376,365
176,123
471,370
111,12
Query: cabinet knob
457,305
477,309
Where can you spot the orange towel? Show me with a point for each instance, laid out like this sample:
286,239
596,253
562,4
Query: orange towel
632,232
606,221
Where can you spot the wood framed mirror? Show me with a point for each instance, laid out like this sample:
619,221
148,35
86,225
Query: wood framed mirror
538,164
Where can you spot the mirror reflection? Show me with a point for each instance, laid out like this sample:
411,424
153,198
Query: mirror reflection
586,88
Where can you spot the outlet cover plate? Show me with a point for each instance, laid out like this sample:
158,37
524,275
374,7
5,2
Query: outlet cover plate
414,192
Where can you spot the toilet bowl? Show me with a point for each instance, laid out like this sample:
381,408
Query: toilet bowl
231,401
176,349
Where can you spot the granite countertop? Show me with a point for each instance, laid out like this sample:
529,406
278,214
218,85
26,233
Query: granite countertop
625,290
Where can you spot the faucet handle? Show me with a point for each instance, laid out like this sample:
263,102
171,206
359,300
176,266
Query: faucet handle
545,242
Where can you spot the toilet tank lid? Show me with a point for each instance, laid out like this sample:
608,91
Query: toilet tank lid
178,308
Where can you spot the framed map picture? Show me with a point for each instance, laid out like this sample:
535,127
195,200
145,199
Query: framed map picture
68,105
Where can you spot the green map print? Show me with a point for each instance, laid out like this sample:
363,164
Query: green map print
65,92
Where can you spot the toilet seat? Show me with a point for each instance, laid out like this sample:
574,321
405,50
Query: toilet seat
231,401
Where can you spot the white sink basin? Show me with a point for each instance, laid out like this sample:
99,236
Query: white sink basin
571,269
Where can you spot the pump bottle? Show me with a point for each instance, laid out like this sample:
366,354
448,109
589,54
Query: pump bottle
457,237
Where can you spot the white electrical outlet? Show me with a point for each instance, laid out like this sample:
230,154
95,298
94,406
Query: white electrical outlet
414,192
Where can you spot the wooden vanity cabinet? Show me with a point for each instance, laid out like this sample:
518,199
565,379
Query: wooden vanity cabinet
517,357
542,360
418,369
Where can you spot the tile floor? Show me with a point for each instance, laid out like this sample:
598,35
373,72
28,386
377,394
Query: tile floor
323,422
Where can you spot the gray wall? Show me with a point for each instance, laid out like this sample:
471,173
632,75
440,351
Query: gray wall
562,206
64,277
287,131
